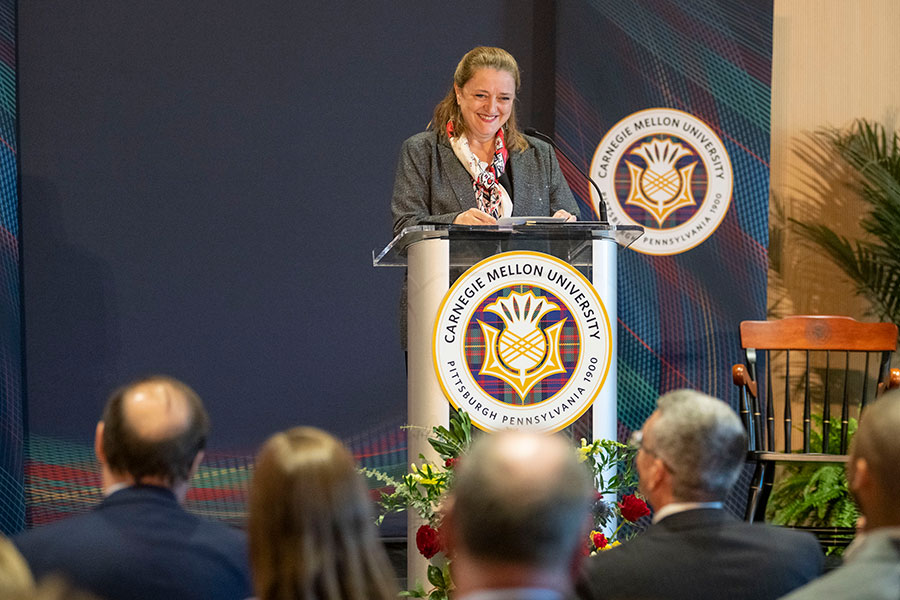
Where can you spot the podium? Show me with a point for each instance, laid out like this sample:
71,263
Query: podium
436,255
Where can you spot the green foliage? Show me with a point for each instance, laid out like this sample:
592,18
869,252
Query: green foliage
423,488
872,265
610,456
815,494
439,577
454,442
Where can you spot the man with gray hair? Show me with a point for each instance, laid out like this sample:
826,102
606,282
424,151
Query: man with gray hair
517,518
691,450
872,562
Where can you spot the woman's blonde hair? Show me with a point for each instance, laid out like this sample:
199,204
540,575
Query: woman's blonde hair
15,577
482,57
311,528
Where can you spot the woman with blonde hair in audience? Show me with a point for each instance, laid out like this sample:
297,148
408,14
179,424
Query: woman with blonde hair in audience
311,528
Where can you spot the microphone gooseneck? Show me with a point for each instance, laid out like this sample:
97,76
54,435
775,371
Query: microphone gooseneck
602,204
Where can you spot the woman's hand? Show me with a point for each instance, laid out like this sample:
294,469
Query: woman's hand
562,214
475,216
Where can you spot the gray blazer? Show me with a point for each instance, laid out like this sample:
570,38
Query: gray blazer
432,185
871,572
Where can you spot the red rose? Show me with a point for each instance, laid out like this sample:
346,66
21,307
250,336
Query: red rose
450,463
428,541
599,540
633,508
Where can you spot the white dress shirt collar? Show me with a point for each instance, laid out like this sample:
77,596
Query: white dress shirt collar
677,507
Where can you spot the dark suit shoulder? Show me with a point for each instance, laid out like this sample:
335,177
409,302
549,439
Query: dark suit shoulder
780,536
122,547
696,556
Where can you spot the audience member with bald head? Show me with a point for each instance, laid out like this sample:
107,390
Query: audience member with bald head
517,518
691,450
139,543
872,563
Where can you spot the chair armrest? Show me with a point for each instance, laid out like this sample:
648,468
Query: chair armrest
797,457
741,378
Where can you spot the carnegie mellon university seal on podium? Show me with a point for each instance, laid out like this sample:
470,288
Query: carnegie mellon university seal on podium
667,171
522,341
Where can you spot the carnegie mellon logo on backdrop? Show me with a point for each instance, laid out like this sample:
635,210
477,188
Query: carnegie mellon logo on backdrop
522,340
667,171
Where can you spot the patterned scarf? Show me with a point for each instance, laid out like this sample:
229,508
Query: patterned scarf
489,193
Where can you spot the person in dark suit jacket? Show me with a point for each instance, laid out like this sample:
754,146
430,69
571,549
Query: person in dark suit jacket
691,451
517,517
139,543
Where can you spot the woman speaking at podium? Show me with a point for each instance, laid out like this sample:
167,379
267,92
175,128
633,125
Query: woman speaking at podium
473,165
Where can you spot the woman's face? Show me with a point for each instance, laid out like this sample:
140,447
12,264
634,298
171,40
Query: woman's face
485,102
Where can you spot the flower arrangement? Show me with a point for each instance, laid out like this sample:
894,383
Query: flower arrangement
606,457
425,486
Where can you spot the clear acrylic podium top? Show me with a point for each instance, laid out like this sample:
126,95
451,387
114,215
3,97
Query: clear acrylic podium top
469,244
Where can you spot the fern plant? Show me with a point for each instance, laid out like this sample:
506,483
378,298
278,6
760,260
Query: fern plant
872,265
815,494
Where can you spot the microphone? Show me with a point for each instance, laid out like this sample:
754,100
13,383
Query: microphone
602,204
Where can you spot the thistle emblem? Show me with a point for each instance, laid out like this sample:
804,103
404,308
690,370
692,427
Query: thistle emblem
522,354
660,188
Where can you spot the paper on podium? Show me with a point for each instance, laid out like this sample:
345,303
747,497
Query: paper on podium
505,222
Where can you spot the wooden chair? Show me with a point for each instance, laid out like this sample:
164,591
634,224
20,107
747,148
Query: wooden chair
844,344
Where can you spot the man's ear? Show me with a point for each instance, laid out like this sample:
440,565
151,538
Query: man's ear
98,443
654,475
859,476
196,464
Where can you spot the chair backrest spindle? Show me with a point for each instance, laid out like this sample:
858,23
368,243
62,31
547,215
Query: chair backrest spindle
826,405
807,412
845,406
770,406
788,421
865,392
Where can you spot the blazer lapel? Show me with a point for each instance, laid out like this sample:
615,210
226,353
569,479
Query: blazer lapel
456,174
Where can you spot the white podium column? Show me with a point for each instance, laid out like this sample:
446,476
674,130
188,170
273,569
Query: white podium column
603,423
428,281
604,410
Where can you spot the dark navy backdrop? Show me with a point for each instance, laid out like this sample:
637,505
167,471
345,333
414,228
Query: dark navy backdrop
203,184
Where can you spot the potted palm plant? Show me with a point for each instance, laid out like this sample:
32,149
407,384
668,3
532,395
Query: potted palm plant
865,159
873,264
